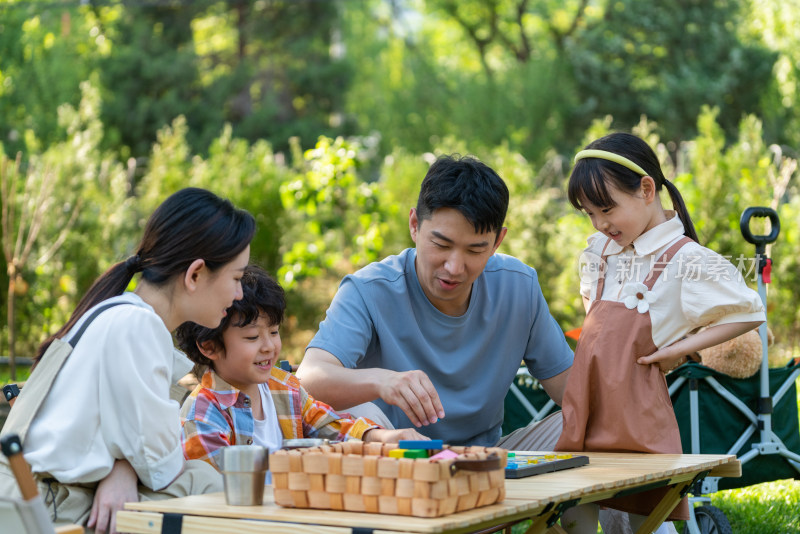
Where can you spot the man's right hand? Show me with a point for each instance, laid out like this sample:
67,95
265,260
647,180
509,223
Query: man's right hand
413,392
323,375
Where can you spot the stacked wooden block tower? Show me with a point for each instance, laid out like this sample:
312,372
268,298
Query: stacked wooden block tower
363,477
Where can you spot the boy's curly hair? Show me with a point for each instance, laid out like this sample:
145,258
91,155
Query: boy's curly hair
262,295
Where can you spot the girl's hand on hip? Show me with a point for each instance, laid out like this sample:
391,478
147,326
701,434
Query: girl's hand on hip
666,359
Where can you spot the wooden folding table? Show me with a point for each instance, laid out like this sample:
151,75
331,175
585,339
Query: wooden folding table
542,498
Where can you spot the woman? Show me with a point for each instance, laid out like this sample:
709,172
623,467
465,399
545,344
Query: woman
104,431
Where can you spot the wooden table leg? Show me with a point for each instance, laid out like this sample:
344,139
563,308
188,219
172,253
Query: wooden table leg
668,504
547,521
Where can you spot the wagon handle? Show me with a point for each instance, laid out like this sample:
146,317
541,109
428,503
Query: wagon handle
760,241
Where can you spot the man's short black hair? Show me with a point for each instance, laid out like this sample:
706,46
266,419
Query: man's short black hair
467,185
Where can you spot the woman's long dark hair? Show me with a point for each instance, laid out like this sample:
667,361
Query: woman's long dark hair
190,224
589,176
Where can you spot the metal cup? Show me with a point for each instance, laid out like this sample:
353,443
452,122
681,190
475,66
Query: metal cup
244,468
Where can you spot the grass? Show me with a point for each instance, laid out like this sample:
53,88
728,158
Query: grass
768,508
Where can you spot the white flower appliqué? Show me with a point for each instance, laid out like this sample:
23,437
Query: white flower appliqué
637,296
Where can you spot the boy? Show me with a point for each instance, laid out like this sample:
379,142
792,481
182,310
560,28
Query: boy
243,398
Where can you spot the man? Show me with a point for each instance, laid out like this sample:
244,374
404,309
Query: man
436,334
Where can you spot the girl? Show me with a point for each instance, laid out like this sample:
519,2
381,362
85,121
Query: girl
105,422
647,284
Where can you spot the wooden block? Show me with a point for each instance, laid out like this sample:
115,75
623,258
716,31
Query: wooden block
279,462
371,466
334,484
427,471
295,461
466,502
353,446
448,505
354,503
337,501
404,488
280,480
424,507
299,482
316,463
452,487
374,448
371,486
388,447
387,505
352,465
371,504
405,468
283,497
487,497
497,478
387,486
462,485
316,482
319,499
352,484
422,490
483,481
300,499
335,463
388,468
438,490
404,506
478,482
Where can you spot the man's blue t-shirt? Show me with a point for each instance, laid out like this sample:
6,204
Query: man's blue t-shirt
380,317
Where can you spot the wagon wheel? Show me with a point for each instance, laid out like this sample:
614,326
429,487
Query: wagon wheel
710,520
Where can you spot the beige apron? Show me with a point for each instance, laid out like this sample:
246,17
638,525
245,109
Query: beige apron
612,403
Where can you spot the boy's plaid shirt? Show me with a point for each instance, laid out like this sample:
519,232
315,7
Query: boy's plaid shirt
216,415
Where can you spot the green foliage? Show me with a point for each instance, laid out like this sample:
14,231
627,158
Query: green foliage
719,181
668,59
336,218
248,175
152,77
417,87
44,55
85,176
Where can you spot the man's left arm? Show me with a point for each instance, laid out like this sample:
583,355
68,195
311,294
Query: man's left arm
554,386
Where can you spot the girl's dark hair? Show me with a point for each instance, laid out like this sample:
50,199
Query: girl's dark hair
190,224
590,175
467,185
262,295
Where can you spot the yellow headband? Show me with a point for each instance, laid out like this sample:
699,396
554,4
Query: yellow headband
610,156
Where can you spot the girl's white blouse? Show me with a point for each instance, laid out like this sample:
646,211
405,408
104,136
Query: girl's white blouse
698,288
111,401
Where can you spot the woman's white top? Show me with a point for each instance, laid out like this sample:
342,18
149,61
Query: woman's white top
698,288
111,401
